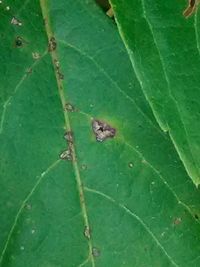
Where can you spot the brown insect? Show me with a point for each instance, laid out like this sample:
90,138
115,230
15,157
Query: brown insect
192,5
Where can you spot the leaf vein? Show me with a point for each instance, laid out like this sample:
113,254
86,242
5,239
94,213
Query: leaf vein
39,180
133,214
112,81
172,97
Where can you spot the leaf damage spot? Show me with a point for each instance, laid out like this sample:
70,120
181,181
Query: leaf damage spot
87,232
196,216
19,42
69,136
16,21
177,221
192,5
52,44
110,13
96,252
29,70
69,107
67,154
57,67
36,55
102,130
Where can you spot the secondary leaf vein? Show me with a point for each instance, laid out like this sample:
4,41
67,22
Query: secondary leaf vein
131,213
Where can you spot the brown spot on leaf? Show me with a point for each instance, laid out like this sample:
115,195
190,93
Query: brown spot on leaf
110,13
102,130
60,75
18,41
66,155
36,55
57,67
15,21
95,252
87,232
29,70
69,107
52,44
177,221
69,136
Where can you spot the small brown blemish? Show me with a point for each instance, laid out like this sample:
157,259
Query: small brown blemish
18,41
95,252
15,21
69,136
52,44
36,55
57,64
29,71
110,13
69,107
60,75
177,221
190,8
57,67
66,155
102,130
87,232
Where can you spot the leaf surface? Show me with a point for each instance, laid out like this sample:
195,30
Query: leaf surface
126,201
164,48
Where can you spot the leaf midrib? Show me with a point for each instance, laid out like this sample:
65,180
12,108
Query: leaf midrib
55,58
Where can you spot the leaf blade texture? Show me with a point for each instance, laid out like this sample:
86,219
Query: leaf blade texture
125,201
164,48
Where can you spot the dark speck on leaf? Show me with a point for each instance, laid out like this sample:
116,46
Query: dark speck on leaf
69,107
95,252
69,136
18,42
52,44
66,155
102,130
87,232
196,216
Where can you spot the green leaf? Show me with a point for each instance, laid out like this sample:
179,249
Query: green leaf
164,49
125,201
